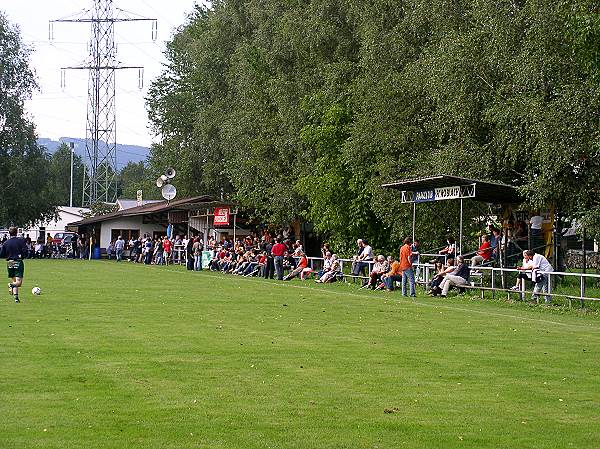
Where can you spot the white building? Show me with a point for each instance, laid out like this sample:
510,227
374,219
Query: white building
66,215
184,216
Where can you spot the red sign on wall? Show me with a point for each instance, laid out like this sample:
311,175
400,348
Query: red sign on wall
221,216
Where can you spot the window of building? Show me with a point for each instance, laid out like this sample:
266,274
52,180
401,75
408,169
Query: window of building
127,234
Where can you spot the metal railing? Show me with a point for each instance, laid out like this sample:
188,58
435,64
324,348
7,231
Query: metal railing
496,279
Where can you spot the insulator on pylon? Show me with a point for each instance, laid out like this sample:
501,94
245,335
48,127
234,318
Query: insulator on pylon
63,80
140,79
154,30
50,31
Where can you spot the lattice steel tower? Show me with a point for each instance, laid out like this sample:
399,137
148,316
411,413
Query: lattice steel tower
100,178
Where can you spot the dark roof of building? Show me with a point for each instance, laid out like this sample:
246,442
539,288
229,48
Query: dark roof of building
486,191
184,204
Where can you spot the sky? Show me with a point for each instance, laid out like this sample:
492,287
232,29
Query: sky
61,111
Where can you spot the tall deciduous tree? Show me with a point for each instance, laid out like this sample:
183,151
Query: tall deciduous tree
24,166
305,108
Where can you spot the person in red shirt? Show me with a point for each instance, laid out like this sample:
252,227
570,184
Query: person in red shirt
278,251
167,249
395,274
302,264
484,253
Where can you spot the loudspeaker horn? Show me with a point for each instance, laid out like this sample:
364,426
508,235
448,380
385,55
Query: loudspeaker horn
170,173
159,182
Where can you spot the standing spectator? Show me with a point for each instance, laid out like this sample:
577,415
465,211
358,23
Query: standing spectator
158,251
408,274
119,248
540,267
189,254
80,246
536,222
415,257
39,249
356,258
495,241
197,249
325,249
50,242
269,269
167,246
111,249
278,252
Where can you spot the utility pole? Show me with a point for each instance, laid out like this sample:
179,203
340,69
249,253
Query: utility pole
100,173
72,147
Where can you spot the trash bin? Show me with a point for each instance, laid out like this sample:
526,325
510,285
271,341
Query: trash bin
96,254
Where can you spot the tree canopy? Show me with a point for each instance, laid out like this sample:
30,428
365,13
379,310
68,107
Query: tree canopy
305,108
24,165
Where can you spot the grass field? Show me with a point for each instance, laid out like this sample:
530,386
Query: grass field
129,356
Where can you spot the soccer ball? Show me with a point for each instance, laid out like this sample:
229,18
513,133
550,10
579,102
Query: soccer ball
36,291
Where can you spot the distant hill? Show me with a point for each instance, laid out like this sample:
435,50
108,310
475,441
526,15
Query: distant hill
125,153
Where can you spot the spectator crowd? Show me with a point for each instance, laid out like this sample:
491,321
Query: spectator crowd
282,257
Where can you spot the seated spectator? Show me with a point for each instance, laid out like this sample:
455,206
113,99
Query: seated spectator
302,264
521,278
257,266
450,249
380,267
440,271
361,262
331,274
483,253
306,273
392,276
458,277
326,264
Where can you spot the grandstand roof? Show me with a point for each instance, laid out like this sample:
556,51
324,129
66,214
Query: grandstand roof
485,191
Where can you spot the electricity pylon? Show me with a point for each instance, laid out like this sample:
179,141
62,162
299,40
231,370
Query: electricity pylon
100,177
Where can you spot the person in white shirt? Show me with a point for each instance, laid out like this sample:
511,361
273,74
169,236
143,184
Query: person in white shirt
119,248
540,268
361,266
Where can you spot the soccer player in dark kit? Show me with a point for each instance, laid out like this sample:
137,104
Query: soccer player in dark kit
14,250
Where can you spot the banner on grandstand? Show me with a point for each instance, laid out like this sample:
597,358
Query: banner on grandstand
422,196
441,193
221,216
447,193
